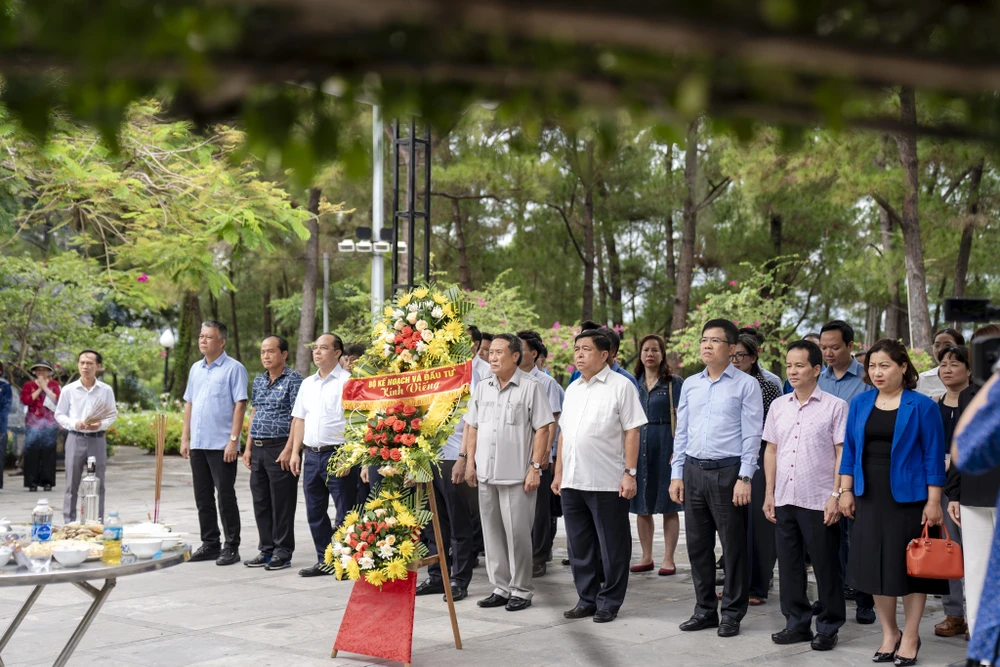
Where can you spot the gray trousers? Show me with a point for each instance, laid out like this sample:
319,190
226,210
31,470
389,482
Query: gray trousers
954,601
78,448
507,515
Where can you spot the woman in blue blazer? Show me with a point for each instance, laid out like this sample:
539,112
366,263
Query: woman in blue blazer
892,473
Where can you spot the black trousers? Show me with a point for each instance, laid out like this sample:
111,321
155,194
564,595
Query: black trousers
798,530
456,531
213,478
760,537
708,508
275,495
40,456
470,498
543,529
600,543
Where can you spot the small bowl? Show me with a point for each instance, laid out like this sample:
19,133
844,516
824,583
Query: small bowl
5,554
144,548
70,556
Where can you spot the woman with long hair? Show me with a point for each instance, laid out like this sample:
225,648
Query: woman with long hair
659,392
892,474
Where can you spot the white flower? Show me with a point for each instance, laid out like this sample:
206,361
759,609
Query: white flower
437,313
385,551
427,335
344,560
428,304
406,356
412,318
391,521
413,307
366,562
380,512
421,325
421,347
390,338
398,313
398,326
346,551
349,529
387,350
390,540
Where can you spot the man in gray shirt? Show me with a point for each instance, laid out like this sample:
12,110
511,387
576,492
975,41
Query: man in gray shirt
508,420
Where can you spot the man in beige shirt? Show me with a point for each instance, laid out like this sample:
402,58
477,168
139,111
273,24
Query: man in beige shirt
507,438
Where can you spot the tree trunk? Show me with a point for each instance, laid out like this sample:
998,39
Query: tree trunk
614,274
464,276
602,289
236,323
588,252
968,227
187,335
916,282
671,259
872,319
213,305
268,313
307,318
685,269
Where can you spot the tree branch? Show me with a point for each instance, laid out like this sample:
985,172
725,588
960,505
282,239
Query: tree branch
884,203
569,230
714,193
955,183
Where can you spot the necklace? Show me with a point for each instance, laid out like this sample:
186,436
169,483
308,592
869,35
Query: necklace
885,401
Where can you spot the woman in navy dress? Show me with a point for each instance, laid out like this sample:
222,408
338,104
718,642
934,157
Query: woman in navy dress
657,386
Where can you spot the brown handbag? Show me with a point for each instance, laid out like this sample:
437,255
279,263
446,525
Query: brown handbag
933,558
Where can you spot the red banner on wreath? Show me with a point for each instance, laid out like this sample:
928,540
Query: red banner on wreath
414,388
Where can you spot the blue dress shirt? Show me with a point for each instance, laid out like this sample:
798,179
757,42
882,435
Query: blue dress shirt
847,387
272,403
719,419
213,390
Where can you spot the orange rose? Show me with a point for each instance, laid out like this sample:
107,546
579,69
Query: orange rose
409,439
415,424
385,453
395,455
373,451
399,425
409,411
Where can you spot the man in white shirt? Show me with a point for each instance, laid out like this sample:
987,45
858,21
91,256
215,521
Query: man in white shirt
595,475
318,426
86,409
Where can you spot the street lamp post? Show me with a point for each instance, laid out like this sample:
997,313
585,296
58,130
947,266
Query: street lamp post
167,342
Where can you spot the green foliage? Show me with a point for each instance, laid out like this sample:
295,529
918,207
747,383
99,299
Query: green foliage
136,429
499,308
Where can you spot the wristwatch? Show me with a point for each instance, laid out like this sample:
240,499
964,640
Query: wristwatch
232,438
537,466
835,495
745,479
463,455
631,471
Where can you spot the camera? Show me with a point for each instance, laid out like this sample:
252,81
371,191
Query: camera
985,352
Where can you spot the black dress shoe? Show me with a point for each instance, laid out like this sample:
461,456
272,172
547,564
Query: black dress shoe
580,611
864,616
457,593
565,561
517,604
789,636
314,570
700,622
882,656
33,489
907,662
204,553
493,600
260,560
429,587
817,608
278,564
605,616
47,487
538,570
228,557
822,642
850,593
729,628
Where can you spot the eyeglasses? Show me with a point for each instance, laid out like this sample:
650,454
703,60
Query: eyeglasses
714,341
740,356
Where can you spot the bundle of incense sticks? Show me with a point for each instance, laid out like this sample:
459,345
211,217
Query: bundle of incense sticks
160,424
100,411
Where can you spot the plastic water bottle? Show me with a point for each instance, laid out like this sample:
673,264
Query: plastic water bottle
41,522
112,540
90,490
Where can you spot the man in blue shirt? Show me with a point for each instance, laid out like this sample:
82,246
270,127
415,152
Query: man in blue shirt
616,342
844,377
6,397
215,402
720,419
269,447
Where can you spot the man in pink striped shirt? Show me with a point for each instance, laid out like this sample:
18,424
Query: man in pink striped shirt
804,433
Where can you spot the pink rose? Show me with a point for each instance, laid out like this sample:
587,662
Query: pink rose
569,368
733,283
555,325
143,278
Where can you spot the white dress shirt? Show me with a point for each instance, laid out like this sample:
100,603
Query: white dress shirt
320,404
76,403
929,384
594,420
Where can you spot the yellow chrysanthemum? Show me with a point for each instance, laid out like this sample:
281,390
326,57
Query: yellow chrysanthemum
398,507
406,549
404,300
340,534
453,330
328,555
373,504
375,577
338,569
406,520
391,495
438,348
351,518
396,569
387,311
449,310
420,292
440,299
353,571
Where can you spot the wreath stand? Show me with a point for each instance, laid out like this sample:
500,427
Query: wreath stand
390,610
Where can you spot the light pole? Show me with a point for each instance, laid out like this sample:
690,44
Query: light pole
377,249
167,342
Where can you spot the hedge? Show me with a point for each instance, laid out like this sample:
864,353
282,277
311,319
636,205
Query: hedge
136,429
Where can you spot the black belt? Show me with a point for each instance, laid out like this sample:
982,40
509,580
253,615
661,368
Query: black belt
658,421
89,434
320,450
263,442
712,464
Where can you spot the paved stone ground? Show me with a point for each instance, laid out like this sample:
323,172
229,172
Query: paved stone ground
201,614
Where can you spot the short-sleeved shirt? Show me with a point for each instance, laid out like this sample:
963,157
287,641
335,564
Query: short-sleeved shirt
850,384
555,394
272,403
213,390
320,405
506,420
806,436
594,420
929,383
453,445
